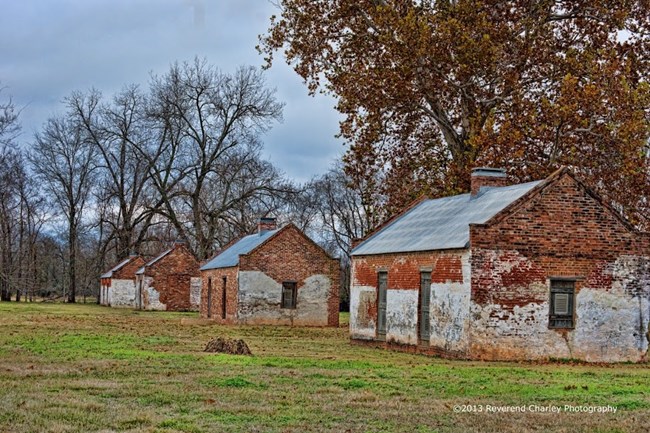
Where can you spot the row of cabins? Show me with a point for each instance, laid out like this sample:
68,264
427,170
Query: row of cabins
274,276
537,270
171,282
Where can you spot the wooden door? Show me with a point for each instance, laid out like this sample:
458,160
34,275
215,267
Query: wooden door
425,307
382,287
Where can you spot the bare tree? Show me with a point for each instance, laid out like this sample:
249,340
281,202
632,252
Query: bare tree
335,214
342,211
205,159
64,163
117,130
9,126
21,211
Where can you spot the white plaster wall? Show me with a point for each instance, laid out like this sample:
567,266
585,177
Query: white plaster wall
362,322
122,293
449,311
518,334
610,325
402,316
259,299
195,293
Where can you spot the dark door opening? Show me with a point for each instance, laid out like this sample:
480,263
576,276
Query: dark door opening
223,298
209,298
425,307
382,287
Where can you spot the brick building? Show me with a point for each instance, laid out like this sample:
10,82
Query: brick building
531,271
117,285
171,281
273,277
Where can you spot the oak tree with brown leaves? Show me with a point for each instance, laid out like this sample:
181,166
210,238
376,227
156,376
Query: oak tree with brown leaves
430,89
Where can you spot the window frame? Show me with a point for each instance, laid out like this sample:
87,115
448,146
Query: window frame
293,287
562,286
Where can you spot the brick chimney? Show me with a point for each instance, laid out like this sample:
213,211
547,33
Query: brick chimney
487,176
265,225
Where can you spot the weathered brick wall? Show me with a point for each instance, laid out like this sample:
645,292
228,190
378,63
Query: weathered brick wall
291,256
215,277
449,309
171,278
563,231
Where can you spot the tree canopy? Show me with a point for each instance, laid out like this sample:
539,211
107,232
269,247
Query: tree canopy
430,89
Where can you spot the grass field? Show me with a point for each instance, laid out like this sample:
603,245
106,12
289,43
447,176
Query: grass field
86,368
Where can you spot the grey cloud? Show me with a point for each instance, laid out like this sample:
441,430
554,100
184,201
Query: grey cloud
50,48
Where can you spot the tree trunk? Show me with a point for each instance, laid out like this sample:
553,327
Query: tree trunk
72,265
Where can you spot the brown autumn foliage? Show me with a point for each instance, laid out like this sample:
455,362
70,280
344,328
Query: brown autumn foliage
430,89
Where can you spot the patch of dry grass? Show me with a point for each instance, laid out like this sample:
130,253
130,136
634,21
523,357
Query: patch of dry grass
83,368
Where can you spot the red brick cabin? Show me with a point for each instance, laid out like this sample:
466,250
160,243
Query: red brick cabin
117,285
272,277
170,282
531,271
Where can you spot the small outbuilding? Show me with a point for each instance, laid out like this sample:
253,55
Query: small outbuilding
537,270
277,276
117,285
170,282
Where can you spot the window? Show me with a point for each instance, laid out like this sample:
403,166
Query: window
561,305
289,294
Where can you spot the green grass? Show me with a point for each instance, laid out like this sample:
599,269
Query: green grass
83,368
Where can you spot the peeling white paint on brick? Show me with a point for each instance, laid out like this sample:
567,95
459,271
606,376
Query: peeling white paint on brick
122,293
151,296
610,325
362,323
518,334
259,300
103,295
195,293
402,316
449,312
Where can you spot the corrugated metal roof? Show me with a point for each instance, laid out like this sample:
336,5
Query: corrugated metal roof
230,256
117,267
441,223
154,260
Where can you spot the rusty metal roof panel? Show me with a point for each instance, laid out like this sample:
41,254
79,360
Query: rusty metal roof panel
230,256
442,223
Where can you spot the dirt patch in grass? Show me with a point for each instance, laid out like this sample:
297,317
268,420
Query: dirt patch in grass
227,345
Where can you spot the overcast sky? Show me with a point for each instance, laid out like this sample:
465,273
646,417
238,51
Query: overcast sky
49,48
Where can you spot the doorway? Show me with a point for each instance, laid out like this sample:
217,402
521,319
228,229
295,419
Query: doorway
382,287
424,307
